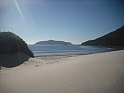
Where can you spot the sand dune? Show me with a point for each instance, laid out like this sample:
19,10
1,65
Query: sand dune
95,73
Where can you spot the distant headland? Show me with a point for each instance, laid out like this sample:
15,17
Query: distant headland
114,39
54,42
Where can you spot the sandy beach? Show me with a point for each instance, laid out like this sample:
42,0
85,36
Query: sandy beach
94,73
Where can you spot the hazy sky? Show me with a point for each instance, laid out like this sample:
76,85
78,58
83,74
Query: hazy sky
75,21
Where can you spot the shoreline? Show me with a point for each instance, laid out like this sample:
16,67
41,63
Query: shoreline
62,54
75,49
71,54
57,54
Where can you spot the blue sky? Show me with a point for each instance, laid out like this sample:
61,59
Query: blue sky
75,21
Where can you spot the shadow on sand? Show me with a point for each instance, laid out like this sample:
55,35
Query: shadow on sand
13,60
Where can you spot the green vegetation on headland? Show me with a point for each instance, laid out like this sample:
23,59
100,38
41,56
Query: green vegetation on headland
113,39
11,43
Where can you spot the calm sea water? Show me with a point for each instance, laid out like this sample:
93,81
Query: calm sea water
65,49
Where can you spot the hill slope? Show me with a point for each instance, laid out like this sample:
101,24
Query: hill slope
113,39
11,43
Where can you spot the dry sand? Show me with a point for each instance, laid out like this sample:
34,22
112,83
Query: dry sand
95,73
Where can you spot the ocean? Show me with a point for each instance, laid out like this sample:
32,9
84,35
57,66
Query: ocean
41,49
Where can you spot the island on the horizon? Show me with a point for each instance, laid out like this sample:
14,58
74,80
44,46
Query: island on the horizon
54,42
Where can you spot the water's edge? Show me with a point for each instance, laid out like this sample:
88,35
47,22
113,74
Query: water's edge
65,49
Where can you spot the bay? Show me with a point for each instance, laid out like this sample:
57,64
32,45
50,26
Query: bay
41,49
